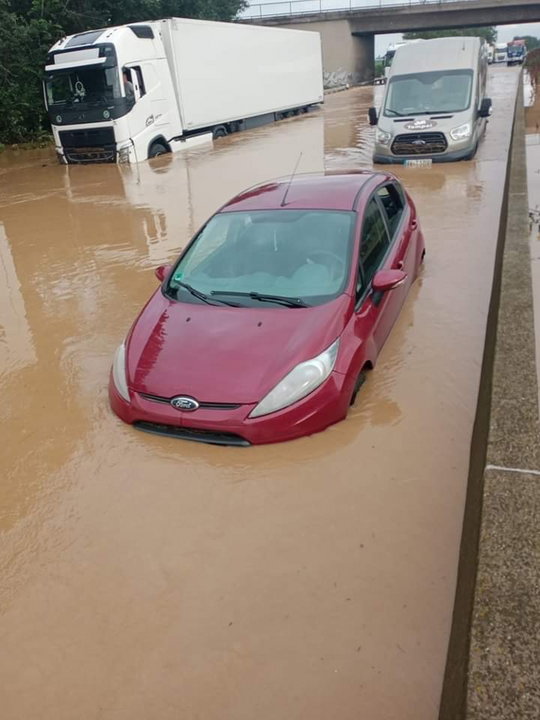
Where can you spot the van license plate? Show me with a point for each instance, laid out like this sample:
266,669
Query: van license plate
420,162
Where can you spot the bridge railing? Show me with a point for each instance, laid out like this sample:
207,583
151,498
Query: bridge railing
285,8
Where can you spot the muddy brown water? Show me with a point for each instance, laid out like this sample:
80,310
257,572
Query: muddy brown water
143,577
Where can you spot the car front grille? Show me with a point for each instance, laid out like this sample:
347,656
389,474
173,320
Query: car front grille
419,144
204,405
214,437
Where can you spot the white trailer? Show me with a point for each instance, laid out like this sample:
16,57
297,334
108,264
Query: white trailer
127,93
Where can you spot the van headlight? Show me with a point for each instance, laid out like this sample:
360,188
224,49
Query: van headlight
119,372
303,379
461,133
382,137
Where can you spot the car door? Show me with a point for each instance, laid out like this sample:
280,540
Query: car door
371,322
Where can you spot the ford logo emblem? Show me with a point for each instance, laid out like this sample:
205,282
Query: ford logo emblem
184,403
418,142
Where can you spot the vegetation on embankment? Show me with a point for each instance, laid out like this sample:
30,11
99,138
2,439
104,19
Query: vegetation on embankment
28,28
532,65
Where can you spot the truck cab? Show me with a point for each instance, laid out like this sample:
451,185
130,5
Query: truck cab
108,95
516,52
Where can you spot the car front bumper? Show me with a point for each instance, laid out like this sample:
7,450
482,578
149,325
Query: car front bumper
324,406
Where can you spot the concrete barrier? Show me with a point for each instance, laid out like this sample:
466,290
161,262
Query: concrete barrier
492,670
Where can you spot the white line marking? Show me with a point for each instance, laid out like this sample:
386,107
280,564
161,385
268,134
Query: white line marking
515,470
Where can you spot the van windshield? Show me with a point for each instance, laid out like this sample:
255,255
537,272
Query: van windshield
429,92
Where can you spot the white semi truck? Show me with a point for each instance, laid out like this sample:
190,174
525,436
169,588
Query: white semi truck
127,93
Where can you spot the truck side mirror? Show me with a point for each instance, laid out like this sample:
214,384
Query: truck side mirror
372,115
485,108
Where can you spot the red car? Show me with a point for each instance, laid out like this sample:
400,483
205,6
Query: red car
265,326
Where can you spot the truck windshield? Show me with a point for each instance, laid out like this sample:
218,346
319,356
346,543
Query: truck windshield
429,92
88,86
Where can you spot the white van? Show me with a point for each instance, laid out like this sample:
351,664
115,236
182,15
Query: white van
434,105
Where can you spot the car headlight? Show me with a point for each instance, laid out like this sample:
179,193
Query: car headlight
461,133
303,379
119,372
382,136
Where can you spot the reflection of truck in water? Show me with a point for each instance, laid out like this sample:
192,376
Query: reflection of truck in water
501,50
515,53
136,91
434,105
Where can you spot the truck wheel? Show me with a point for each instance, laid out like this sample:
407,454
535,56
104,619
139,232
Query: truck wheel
156,149
219,131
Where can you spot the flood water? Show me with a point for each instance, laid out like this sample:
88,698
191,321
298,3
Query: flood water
145,577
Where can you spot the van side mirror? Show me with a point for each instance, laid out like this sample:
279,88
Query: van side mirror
485,108
162,271
372,115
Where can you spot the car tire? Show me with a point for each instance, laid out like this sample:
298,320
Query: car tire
156,149
360,380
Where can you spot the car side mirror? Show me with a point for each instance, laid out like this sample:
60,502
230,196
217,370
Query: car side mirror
162,271
385,280
485,108
372,115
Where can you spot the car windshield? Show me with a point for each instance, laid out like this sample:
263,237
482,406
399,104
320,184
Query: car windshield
83,85
251,257
428,93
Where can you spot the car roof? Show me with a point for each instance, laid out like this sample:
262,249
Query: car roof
325,191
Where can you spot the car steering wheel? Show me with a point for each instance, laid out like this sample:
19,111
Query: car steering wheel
337,267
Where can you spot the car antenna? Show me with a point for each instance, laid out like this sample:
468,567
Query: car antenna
282,204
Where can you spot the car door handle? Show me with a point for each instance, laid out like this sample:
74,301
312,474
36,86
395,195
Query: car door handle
398,265
414,224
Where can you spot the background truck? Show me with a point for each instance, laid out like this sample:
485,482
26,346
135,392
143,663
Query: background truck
501,50
127,93
515,53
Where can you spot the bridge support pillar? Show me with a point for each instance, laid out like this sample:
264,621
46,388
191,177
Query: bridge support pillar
347,59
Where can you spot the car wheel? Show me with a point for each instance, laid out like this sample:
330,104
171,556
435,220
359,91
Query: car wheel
156,149
361,379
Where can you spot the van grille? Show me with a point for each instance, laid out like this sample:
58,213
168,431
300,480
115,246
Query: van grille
419,144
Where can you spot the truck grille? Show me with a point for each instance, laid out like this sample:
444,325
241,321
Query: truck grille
95,145
419,144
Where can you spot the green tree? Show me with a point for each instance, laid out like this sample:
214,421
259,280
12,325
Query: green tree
28,28
489,34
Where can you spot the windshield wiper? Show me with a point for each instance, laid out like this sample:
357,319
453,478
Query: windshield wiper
395,112
263,297
200,295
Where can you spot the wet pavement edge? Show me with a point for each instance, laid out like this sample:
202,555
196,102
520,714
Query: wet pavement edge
490,670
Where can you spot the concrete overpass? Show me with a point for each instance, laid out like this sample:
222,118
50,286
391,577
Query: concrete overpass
348,32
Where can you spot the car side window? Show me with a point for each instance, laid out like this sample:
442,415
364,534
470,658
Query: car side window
393,206
373,245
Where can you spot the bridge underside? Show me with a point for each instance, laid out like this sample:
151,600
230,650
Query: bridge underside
348,36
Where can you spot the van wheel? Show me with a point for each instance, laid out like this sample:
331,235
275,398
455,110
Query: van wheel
359,382
219,131
156,149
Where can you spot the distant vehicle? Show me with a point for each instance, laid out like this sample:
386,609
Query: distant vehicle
124,94
501,52
434,106
490,53
265,327
516,52
391,51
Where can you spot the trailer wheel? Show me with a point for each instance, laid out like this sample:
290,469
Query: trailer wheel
219,131
156,149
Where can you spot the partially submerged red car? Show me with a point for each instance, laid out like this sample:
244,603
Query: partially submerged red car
265,326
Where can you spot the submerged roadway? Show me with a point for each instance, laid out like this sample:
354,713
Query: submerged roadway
144,577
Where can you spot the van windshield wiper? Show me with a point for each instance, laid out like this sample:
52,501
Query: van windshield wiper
395,112
263,297
200,295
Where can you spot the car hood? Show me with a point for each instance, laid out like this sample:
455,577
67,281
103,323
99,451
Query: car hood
223,354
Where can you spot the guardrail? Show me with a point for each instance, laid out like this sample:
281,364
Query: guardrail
316,7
